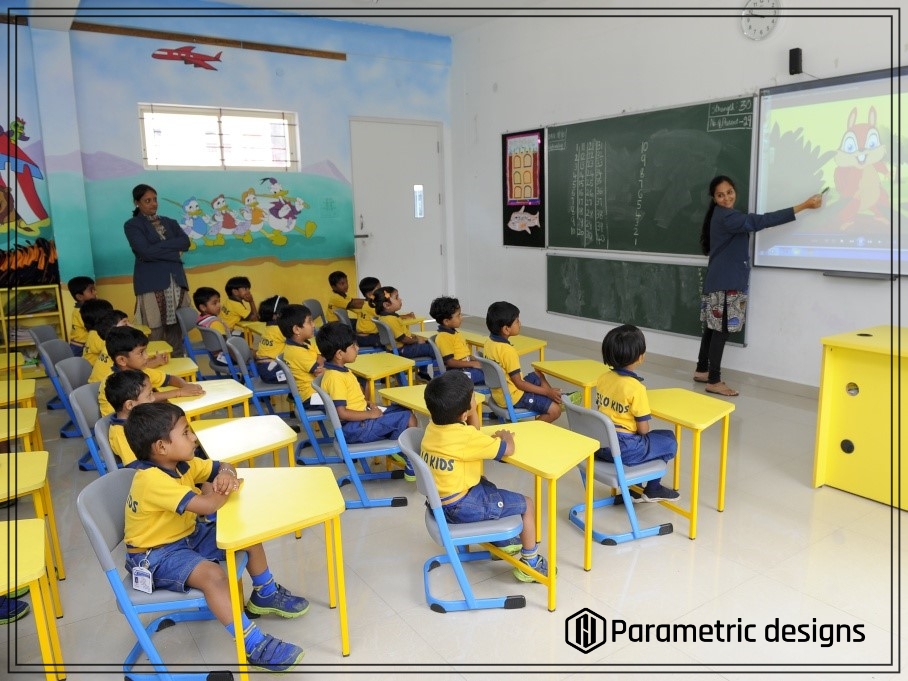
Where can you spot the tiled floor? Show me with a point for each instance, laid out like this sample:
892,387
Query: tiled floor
782,551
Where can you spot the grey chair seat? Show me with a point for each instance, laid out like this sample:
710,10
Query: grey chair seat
460,531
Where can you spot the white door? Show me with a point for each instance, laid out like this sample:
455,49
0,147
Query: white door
398,208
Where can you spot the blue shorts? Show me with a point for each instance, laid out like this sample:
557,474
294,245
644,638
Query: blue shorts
485,501
537,403
269,372
473,373
637,449
171,564
77,349
368,340
392,423
417,350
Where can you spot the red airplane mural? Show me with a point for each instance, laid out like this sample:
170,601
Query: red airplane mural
187,56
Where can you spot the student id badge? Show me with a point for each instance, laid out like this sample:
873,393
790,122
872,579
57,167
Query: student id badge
141,578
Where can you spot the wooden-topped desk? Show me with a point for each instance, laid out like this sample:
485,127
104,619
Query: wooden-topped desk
549,451
219,394
583,373
237,440
687,409
19,393
260,511
413,397
377,366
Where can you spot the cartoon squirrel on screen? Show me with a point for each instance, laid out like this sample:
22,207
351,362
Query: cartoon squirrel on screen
861,169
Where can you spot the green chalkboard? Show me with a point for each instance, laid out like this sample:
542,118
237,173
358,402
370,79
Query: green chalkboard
638,182
659,296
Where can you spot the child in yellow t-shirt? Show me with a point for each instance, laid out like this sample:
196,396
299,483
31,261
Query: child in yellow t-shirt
239,305
339,299
82,289
124,390
366,331
387,304
454,349
300,352
92,312
271,344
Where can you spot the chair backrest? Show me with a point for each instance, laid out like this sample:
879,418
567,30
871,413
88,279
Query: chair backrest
593,423
186,317
330,410
102,439
439,360
213,341
84,401
386,336
315,307
101,509
343,316
494,376
410,442
291,382
241,353
53,351
73,372
41,333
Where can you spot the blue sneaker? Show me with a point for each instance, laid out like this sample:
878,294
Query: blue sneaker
541,565
409,473
281,602
12,610
275,655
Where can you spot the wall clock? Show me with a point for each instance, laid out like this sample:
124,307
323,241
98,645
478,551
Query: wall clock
760,18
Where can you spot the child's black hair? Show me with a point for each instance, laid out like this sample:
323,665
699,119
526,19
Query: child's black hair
121,340
77,285
448,396
332,338
234,283
122,386
108,322
271,308
381,296
501,314
202,295
622,346
292,315
443,308
335,277
93,311
368,284
148,423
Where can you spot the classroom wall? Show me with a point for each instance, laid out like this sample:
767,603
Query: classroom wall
521,73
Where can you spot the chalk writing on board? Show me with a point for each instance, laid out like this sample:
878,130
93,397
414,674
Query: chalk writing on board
587,208
734,115
557,140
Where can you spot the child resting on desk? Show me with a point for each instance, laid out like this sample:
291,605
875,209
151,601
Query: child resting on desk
532,391
467,496
164,536
621,396
454,349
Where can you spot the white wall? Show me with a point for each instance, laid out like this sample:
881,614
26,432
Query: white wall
529,72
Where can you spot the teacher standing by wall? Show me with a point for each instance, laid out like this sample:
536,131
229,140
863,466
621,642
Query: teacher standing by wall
725,238
159,280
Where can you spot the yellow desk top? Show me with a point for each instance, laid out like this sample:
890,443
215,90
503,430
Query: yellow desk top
27,471
413,397
687,408
8,360
24,552
276,501
159,346
179,366
19,421
544,449
523,344
883,340
582,372
254,327
16,391
218,394
380,364
244,438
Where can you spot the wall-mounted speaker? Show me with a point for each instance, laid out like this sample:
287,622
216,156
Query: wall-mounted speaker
794,61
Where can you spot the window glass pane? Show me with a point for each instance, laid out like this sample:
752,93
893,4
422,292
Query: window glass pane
182,140
254,142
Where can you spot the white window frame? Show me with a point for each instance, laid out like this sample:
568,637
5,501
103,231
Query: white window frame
218,156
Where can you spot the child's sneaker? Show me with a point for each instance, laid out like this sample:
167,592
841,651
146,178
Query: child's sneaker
12,610
409,473
661,493
275,655
509,546
541,566
281,602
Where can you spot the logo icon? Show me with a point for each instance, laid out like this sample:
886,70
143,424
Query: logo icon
584,630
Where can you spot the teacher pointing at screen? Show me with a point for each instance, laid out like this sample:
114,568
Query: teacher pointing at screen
725,238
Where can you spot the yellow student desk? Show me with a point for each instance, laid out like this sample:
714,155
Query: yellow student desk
238,440
183,367
250,330
413,397
859,417
273,502
10,361
18,393
524,345
219,394
379,366
159,347
584,373
21,422
548,452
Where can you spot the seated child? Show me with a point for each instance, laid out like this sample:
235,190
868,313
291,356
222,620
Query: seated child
387,303
621,396
91,312
366,331
532,391
124,390
300,352
362,421
339,286
126,348
271,344
81,289
207,302
239,306
454,436
454,349
164,533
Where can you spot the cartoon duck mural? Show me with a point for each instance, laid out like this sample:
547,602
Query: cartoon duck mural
196,225
25,211
282,214
225,220
254,215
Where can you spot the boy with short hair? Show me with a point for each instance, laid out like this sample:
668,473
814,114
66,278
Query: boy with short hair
126,348
366,331
207,303
163,533
532,391
454,436
621,395
125,390
81,289
300,353
454,349
339,284
240,305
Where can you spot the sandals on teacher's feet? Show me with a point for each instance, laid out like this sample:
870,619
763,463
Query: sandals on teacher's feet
721,389
701,376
